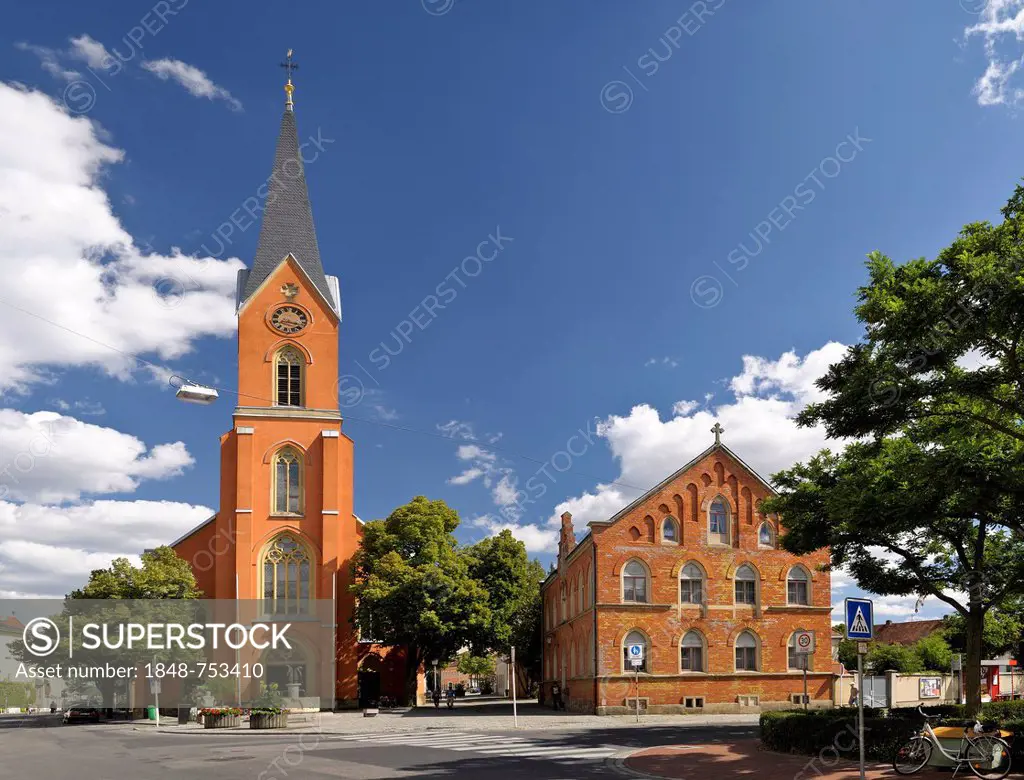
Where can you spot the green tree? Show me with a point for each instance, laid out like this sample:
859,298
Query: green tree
153,593
512,582
934,652
943,341
923,502
942,358
885,657
163,575
1003,630
847,653
476,666
414,588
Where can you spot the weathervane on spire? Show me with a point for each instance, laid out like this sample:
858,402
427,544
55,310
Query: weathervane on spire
718,430
289,88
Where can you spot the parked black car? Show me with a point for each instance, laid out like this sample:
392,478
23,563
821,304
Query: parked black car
82,714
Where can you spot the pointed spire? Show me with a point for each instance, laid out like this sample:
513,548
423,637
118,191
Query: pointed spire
289,88
287,216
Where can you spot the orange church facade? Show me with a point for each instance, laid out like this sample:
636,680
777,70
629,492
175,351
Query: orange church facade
285,533
693,573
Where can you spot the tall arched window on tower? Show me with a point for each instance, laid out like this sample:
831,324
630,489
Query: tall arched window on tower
288,366
287,577
287,496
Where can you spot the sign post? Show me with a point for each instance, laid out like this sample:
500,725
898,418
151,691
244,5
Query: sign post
804,641
636,658
154,688
512,674
860,625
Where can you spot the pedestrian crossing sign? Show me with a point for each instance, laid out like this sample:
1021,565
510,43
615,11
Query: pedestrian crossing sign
860,621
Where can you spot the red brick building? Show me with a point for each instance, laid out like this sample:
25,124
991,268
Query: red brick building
693,572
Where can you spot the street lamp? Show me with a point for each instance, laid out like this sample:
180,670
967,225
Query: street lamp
192,392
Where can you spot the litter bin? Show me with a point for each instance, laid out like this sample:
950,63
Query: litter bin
151,712
184,713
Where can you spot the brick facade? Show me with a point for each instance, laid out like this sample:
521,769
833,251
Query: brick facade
588,613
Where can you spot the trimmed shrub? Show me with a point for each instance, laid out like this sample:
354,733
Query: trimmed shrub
833,730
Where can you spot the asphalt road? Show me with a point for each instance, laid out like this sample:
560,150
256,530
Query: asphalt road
31,748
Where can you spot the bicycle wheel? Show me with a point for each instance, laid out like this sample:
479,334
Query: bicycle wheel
989,757
912,755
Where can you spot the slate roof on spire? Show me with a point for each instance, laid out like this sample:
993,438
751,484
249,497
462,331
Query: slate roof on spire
287,219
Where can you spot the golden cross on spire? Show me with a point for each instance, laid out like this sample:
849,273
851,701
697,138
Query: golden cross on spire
289,88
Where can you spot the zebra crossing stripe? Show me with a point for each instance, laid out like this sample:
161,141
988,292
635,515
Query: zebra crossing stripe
488,745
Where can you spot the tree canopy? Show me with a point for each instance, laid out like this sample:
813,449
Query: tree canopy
927,499
413,585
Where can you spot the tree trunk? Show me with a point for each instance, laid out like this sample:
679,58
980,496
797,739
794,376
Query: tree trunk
412,669
972,665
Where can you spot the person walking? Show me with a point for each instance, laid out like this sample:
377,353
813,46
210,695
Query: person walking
853,695
556,697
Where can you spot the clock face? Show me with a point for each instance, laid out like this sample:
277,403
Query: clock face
289,319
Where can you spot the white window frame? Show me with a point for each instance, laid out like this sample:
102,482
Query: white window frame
702,580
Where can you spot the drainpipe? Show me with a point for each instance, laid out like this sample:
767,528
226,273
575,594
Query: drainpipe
593,607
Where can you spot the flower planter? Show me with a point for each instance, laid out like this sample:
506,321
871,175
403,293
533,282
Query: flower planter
220,721
267,721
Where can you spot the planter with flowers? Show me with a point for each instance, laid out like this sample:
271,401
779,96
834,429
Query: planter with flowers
266,712
220,717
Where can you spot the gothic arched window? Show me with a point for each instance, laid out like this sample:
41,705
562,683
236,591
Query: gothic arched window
634,582
288,367
287,498
718,522
691,653
691,584
765,535
747,652
287,577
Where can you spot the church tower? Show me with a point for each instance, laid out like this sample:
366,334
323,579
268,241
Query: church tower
285,532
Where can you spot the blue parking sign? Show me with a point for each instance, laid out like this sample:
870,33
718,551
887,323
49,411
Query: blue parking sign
860,620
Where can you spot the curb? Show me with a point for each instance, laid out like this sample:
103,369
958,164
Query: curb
618,764
264,733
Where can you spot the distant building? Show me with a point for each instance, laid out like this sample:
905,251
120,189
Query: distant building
907,633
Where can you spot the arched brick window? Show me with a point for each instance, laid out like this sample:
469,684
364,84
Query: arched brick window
798,586
692,652
691,584
670,530
719,522
766,535
635,583
636,638
748,652
746,585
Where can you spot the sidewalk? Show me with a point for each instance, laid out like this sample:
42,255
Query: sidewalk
478,718
744,757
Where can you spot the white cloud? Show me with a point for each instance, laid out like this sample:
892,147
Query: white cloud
91,51
466,476
66,258
49,59
48,551
195,81
1000,21
473,452
758,422
536,540
51,458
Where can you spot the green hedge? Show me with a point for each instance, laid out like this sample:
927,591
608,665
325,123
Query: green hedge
818,731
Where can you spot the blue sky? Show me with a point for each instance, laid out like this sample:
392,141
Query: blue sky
628,154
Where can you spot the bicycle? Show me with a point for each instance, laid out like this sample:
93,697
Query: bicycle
987,756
